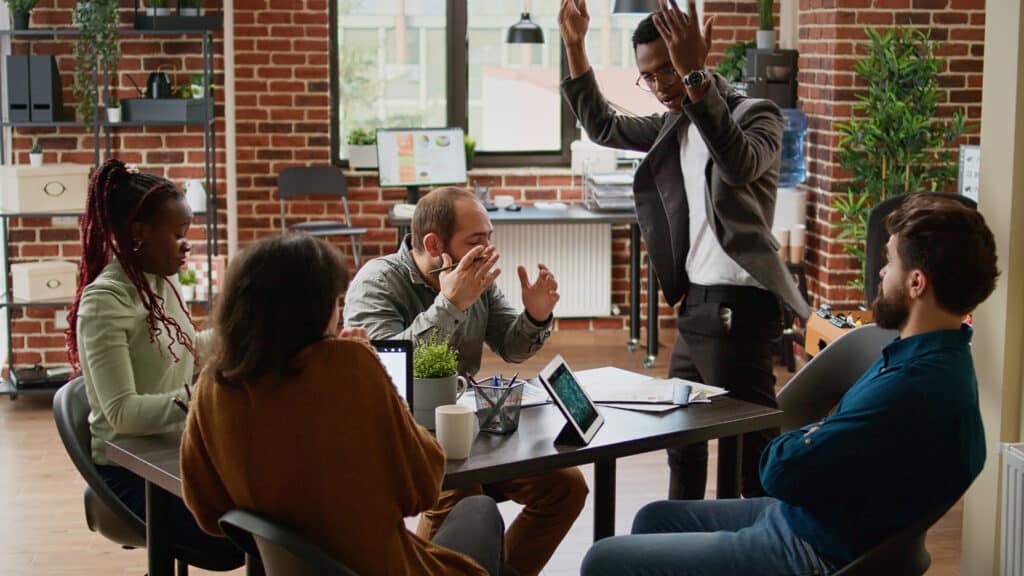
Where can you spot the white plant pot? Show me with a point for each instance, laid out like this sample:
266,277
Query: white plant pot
189,11
362,157
766,39
188,293
151,11
198,91
195,196
114,115
35,160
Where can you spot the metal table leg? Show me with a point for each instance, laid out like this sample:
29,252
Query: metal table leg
652,316
634,286
159,533
604,499
730,463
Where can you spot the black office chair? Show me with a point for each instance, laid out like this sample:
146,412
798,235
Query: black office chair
902,554
104,511
877,236
817,388
281,551
320,181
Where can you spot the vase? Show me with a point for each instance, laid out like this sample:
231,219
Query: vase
158,11
766,39
35,160
188,293
362,157
192,11
20,20
114,114
429,393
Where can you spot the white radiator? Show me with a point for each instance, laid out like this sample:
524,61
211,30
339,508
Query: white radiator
579,255
1012,549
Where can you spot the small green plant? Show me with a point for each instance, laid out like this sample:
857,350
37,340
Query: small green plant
157,3
189,3
434,358
470,150
765,15
21,6
36,149
187,277
96,50
734,61
360,137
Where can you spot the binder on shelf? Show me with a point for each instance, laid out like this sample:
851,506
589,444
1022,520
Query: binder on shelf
18,89
46,94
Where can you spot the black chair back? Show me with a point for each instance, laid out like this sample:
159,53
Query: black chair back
312,181
878,236
902,554
282,551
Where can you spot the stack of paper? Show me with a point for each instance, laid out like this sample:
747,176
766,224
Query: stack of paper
615,385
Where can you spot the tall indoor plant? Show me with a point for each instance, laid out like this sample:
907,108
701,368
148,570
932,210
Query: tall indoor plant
96,52
894,144
766,25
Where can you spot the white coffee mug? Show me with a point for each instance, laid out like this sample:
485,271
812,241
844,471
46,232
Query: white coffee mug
455,430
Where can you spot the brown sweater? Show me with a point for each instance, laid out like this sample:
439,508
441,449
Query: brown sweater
332,453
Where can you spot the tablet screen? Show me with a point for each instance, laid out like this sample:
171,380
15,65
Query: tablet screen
569,391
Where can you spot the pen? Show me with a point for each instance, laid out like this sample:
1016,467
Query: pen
180,404
452,266
513,380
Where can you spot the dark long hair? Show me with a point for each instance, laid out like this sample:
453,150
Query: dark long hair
116,199
278,296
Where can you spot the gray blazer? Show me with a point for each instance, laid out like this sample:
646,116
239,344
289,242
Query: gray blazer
742,176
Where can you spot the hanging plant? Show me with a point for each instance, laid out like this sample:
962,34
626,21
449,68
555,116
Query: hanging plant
894,144
95,50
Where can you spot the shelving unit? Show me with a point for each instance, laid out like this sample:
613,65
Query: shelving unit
102,131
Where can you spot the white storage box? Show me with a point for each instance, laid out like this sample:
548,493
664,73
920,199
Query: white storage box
44,281
52,188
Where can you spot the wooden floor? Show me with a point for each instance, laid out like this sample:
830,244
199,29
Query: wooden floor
42,525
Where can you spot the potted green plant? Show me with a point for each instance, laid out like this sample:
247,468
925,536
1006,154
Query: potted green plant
95,49
198,86
734,60
362,149
113,111
766,25
20,10
470,150
189,8
35,156
894,143
436,382
187,280
157,8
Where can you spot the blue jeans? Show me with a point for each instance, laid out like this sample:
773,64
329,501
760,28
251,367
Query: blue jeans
706,537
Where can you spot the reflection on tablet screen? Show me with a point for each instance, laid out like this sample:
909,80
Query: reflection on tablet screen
568,389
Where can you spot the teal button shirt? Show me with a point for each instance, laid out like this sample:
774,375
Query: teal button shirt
905,441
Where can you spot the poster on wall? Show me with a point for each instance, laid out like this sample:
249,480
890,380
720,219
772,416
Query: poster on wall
970,171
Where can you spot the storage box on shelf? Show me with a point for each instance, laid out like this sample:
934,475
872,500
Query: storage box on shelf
49,281
53,188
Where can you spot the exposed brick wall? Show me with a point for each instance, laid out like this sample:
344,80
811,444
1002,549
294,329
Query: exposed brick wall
830,33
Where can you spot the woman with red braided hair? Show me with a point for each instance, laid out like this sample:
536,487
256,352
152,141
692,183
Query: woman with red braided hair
130,332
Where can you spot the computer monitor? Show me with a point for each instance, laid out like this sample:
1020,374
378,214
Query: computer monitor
413,157
396,356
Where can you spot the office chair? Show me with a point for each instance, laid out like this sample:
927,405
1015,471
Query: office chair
104,511
320,181
877,236
902,554
817,388
281,551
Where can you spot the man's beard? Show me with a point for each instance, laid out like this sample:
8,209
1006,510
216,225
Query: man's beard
890,312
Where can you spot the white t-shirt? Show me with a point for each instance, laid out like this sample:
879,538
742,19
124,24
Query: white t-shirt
707,264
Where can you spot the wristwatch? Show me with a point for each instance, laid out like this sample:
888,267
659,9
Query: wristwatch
696,79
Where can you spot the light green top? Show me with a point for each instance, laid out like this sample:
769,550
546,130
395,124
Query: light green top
130,381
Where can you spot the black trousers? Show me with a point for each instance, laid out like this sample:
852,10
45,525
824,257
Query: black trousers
474,527
726,338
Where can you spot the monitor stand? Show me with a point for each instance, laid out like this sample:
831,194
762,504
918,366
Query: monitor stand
412,194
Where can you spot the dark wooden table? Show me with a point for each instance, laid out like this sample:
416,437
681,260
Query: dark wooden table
577,214
495,458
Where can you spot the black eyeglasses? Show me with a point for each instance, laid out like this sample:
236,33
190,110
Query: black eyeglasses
667,76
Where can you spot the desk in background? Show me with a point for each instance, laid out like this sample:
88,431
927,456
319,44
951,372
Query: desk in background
495,458
576,214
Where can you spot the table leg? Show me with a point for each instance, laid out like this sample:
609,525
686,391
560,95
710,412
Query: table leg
634,286
403,231
652,316
158,531
730,457
604,499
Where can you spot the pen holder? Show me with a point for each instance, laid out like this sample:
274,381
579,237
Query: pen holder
497,407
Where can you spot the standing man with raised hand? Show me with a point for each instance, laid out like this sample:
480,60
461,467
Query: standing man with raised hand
705,200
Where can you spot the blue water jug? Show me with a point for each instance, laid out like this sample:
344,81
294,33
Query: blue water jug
794,168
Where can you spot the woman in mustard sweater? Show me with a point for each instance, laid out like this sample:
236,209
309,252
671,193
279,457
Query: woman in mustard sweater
305,427
130,332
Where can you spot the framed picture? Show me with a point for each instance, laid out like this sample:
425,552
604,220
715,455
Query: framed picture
970,171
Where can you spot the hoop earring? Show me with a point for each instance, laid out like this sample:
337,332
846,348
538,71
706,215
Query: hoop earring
137,246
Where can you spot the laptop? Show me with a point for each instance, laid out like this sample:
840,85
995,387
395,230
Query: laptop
396,356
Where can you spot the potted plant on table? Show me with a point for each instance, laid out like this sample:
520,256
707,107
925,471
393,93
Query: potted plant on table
436,381
20,10
362,149
470,150
35,156
188,281
113,111
766,25
157,8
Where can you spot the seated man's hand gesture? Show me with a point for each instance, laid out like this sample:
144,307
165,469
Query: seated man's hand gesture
539,298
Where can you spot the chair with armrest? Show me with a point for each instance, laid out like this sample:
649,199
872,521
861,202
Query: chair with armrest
104,511
281,551
326,181
902,554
